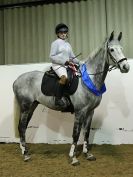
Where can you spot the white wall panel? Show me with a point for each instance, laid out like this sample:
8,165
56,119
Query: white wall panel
112,122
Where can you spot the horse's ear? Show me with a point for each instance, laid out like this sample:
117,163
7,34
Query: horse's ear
111,36
120,36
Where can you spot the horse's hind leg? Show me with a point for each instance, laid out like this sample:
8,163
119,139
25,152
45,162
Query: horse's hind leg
86,127
27,109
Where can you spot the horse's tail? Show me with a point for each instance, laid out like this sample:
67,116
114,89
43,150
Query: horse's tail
16,116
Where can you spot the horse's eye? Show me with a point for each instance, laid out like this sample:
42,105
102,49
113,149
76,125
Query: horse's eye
112,50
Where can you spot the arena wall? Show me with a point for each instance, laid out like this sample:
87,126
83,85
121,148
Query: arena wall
112,122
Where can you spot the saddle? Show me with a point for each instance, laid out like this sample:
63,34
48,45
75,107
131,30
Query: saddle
50,84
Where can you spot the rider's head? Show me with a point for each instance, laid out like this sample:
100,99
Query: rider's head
61,31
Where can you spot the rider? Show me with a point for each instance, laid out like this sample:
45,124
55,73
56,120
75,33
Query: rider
61,55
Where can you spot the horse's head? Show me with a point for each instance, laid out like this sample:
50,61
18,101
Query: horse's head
116,54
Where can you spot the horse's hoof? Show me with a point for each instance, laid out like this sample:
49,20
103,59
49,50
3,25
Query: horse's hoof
75,161
91,157
26,158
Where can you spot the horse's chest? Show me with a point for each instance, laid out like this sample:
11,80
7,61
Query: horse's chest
87,100
92,101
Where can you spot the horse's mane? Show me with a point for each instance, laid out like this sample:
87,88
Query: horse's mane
95,52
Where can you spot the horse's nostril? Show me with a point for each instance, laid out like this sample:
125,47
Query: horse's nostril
124,67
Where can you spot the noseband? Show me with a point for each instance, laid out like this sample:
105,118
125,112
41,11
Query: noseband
123,59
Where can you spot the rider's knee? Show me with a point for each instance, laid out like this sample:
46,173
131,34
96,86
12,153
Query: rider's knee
63,80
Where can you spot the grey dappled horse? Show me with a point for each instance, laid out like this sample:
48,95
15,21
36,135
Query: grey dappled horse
27,90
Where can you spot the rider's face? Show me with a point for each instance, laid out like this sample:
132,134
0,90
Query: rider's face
63,35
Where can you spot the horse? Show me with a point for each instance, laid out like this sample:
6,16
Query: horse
28,94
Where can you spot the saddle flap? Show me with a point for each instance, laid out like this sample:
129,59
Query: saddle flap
50,83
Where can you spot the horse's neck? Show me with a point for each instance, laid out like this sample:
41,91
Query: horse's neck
97,64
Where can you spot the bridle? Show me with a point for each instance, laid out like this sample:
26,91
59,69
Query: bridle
109,56
116,63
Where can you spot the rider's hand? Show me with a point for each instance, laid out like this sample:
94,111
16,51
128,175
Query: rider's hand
66,63
77,66
71,63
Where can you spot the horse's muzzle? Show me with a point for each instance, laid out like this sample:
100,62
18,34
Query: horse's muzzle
123,65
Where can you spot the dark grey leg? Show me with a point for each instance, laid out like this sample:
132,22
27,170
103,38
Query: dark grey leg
22,129
86,127
76,132
26,114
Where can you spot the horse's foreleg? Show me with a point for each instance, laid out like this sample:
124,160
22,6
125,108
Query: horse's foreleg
86,127
76,133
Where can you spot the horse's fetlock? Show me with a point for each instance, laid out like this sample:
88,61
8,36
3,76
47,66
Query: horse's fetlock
72,152
85,147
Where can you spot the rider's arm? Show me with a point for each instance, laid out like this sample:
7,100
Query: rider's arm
55,56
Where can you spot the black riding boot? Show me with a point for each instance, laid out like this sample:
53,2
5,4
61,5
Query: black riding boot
58,100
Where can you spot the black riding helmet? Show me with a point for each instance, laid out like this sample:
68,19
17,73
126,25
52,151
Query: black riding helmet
61,28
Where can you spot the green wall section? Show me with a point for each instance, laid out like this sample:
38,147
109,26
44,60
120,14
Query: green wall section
29,31
120,18
2,58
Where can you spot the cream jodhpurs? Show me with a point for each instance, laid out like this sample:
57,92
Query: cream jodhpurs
59,70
